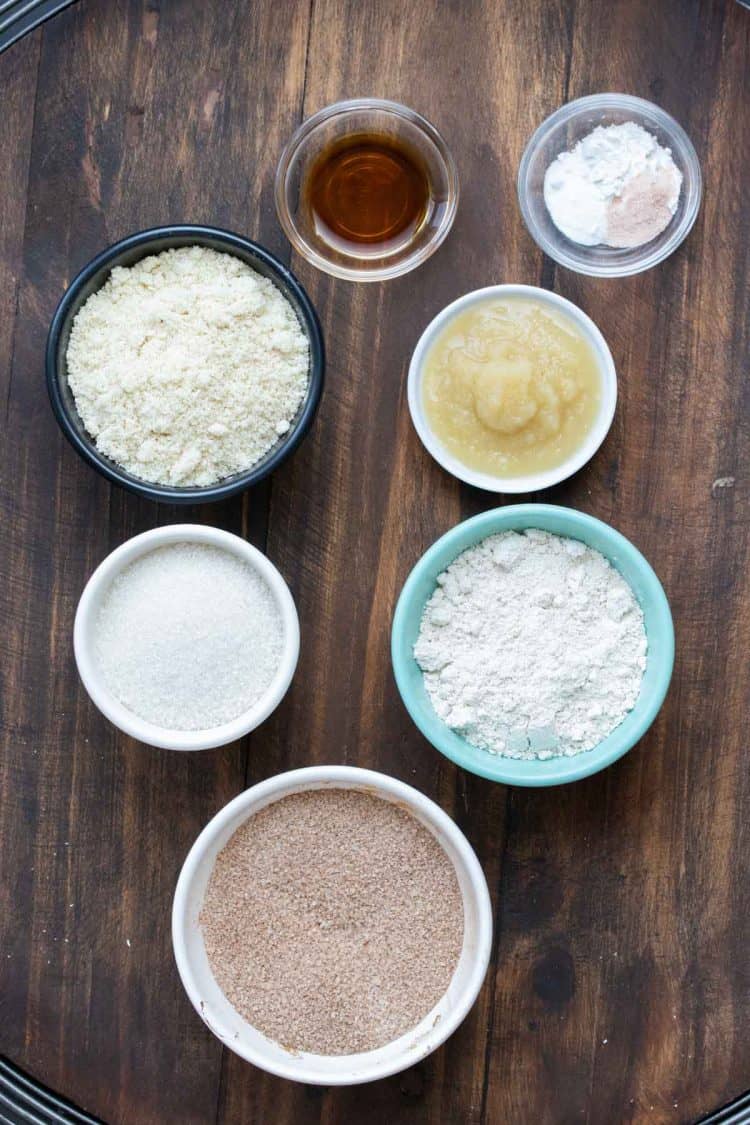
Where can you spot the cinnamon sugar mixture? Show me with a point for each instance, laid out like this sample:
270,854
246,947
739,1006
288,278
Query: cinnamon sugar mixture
333,921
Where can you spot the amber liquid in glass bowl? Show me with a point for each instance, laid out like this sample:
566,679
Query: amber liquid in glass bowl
368,192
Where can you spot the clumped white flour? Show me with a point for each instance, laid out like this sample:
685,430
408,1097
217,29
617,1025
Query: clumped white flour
532,646
187,367
188,637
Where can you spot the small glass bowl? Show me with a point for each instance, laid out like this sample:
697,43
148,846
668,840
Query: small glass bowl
365,115
560,132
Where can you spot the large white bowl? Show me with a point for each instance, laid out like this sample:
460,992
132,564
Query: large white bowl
534,481
88,609
235,1032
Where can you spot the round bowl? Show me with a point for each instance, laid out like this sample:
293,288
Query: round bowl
126,253
90,604
560,132
340,1070
633,568
343,119
531,482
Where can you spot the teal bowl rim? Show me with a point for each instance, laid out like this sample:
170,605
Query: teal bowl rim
623,555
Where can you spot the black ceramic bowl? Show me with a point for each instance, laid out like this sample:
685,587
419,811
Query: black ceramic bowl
126,253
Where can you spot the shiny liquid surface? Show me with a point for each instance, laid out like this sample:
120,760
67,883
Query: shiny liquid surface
511,387
368,193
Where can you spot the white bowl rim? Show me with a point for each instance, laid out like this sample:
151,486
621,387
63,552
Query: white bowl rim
301,1067
125,719
532,482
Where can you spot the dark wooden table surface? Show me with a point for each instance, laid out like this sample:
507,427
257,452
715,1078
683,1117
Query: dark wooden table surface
619,988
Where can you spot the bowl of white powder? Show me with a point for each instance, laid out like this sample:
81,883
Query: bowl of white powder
186,637
332,925
533,645
185,363
609,185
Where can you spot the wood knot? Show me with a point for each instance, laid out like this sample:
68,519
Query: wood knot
554,978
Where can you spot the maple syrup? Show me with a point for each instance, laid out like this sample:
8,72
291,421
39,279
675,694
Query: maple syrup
368,193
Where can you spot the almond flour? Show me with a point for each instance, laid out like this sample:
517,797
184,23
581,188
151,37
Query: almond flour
333,921
187,367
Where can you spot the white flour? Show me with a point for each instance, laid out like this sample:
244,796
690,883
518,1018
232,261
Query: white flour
532,645
617,186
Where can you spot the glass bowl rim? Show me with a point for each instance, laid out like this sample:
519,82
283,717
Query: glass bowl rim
340,109
693,185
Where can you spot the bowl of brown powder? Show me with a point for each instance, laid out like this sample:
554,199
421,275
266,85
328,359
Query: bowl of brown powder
332,925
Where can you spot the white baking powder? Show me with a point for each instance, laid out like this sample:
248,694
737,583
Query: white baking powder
188,637
617,187
187,366
532,645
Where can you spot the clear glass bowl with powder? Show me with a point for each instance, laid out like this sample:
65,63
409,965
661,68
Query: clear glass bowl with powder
559,133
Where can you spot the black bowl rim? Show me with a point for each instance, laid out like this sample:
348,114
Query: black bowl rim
237,483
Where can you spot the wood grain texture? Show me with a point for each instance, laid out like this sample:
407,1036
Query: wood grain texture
95,827
619,984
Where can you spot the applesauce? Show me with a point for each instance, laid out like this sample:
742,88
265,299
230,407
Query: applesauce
511,387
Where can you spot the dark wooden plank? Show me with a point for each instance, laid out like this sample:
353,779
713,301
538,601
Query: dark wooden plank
623,965
145,113
18,68
355,509
19,85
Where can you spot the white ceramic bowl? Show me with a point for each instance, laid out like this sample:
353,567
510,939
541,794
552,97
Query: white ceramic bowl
534,481
340,1070
90,604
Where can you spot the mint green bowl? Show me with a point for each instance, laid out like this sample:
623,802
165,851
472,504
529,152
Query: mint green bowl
634,569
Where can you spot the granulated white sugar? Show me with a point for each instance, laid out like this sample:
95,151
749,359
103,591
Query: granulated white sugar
188,637
187,366
333,921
